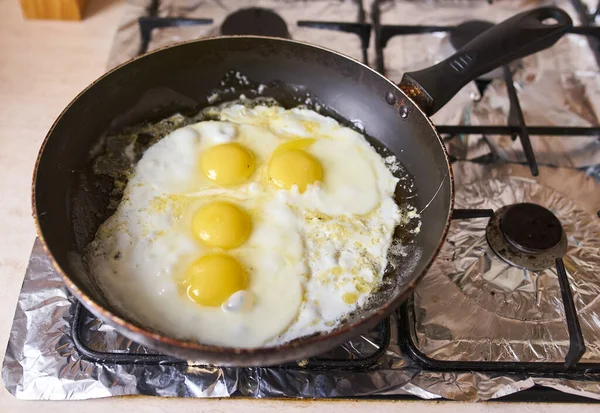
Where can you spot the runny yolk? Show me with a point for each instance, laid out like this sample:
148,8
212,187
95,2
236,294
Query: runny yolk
228,164
291,165
221,225
212,279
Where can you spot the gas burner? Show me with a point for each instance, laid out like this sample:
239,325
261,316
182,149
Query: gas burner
531,228
255,21
526,235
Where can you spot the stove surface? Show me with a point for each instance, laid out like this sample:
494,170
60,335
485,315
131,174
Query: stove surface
490,319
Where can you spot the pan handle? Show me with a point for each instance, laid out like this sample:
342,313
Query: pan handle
519,36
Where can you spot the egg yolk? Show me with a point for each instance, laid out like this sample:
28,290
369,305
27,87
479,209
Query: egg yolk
228,164
221,225
212,279
291,165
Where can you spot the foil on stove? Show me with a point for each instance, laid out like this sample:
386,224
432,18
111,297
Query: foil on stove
42,362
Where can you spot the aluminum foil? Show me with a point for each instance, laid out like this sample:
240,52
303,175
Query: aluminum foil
42,362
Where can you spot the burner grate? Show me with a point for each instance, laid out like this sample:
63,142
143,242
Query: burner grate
570,369
256,21
329,361
576,341
517,128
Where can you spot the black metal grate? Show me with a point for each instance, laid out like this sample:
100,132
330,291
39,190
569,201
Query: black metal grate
152,21
350,362
571,365
567,370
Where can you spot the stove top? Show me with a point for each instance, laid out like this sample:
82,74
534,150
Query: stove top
510,302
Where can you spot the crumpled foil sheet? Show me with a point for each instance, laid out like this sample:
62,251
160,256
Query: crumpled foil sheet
559,86
492,311
42,361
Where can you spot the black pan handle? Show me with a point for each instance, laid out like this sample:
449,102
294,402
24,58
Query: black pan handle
519,36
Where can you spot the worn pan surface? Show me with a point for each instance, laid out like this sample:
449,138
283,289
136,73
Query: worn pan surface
70,202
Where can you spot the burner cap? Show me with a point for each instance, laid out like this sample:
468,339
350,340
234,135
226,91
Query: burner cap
526,235
255,21
467,31
531,228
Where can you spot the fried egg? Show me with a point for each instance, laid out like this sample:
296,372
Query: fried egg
265,226
169,265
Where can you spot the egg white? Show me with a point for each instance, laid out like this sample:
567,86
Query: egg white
312,257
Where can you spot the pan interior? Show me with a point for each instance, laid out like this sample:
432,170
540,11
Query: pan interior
71,201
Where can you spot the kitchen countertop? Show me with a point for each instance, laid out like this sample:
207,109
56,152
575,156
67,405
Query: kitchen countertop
44,65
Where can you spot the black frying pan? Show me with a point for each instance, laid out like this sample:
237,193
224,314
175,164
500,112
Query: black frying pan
70,202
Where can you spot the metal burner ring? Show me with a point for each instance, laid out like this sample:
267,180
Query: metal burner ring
509,253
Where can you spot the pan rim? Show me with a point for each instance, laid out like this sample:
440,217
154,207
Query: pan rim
237,355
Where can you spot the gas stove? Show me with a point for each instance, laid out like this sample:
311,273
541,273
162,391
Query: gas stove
509,308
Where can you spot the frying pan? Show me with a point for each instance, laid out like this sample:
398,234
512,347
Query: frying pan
70,202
